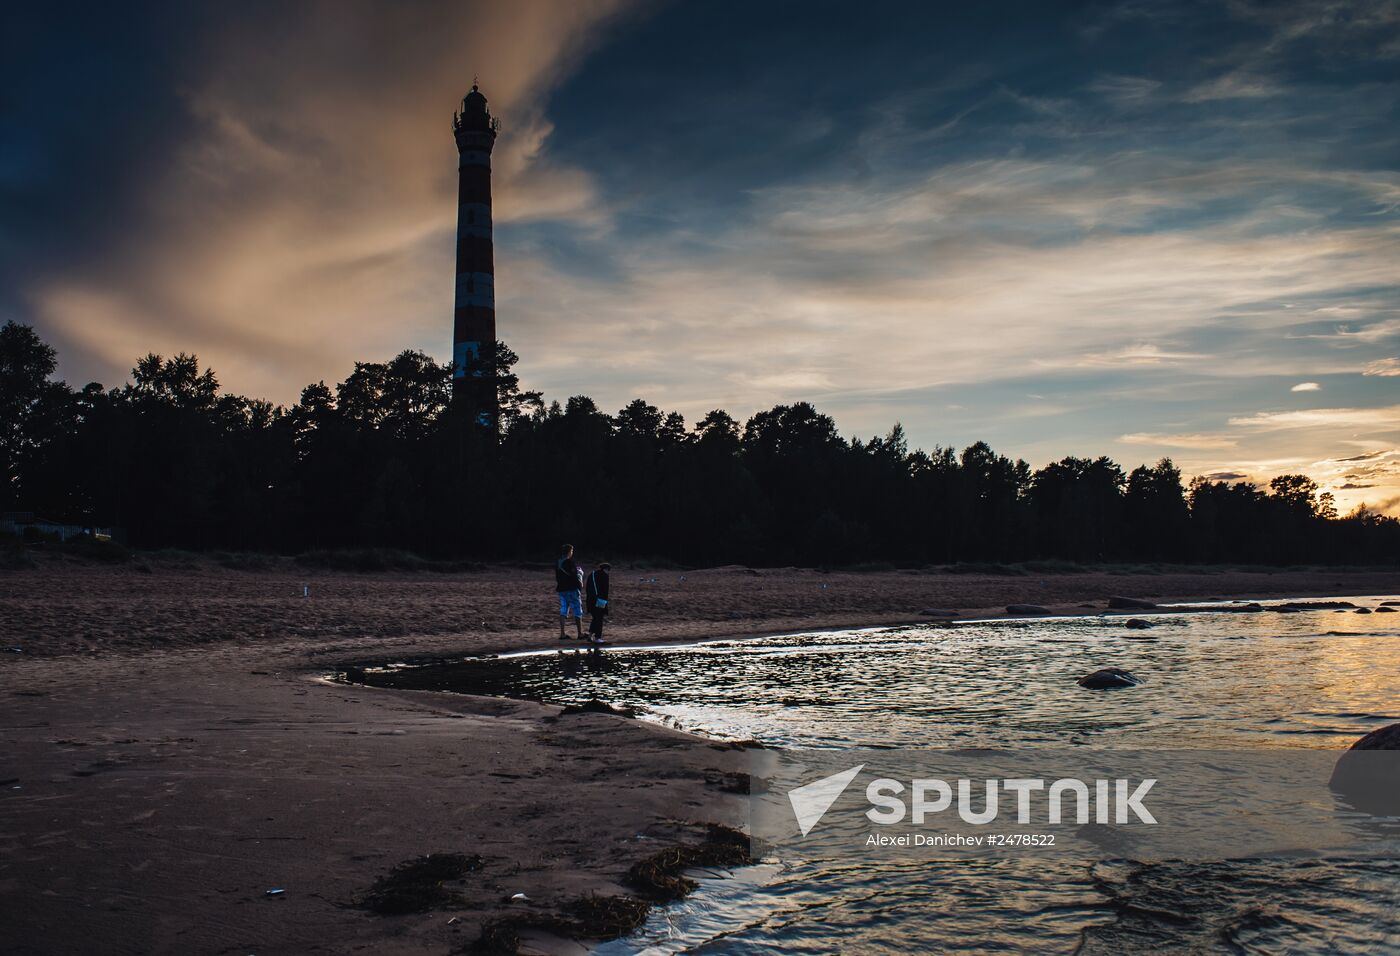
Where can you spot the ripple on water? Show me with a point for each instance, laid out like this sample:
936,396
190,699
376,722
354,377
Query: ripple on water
1222,681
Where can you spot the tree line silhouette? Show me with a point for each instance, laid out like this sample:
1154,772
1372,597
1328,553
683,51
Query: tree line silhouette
386,459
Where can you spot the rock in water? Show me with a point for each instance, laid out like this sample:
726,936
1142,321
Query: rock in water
1130,604
1026,609
1137,624
1367,779
1385,610
1386,738
1362,610
1108,678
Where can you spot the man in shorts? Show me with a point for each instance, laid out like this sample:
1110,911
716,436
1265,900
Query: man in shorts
567,582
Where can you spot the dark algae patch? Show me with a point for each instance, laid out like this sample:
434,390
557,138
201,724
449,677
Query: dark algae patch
660,877
596,706
657,879
417,886
484,677
589,917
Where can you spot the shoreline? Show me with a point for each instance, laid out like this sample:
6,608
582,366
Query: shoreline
160,781
1167,606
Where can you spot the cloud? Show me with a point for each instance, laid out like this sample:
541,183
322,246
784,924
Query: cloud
1386,417
1386,368
1239,84
1142,353
1133,91
1348,336
1178,441
307,219
1306,387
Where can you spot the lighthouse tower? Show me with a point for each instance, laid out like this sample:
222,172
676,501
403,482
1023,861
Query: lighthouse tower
474,313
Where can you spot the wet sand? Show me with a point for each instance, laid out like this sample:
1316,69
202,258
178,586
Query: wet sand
169,752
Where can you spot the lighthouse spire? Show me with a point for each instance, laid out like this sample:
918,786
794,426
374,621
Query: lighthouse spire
474,310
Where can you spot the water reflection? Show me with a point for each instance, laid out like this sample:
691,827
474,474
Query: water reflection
1316,679
1211,680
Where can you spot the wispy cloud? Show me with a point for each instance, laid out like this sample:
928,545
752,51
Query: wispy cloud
1387,417
1141,353
1350,336
1178,441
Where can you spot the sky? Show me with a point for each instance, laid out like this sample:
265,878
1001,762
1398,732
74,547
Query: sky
1133,229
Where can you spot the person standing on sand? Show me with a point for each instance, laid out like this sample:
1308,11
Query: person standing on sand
567,580
597,600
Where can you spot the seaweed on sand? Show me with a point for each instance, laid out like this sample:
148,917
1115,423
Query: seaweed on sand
596,706
658,879
416,886
661,876
589,917
734,782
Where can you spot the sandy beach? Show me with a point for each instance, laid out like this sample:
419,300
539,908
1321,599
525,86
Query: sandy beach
171,751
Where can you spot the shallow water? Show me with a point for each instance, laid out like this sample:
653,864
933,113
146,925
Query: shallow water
1314,679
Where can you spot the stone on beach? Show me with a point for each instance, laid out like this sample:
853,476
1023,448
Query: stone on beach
1109,678
1026,609
938,612
1367,782
1383,738
1118,603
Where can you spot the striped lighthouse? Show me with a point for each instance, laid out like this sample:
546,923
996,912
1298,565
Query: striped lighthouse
474,312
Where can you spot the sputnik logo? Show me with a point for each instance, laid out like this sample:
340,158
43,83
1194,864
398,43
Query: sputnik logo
811,801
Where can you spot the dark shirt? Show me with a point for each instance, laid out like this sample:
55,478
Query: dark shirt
597,588
565,575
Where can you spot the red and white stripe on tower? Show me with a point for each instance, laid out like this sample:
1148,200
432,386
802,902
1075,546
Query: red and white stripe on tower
474,312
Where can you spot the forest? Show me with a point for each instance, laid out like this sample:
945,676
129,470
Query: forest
387,459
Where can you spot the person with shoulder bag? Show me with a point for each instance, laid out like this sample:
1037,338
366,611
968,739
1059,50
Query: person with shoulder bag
598,603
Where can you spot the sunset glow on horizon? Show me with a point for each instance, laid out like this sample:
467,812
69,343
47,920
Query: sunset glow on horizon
1127,229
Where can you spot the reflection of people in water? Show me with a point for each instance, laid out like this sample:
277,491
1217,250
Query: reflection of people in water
572,664
592,658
